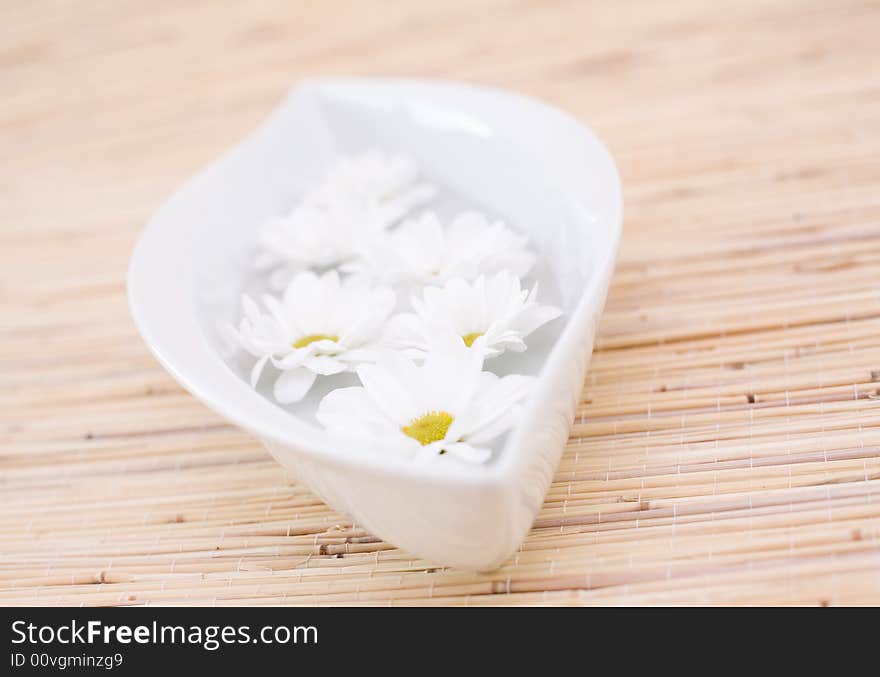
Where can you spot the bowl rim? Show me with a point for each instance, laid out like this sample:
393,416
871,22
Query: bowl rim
161,266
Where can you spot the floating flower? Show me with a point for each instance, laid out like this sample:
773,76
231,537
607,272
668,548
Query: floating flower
495,308
320,326
337,219
446,405
422,251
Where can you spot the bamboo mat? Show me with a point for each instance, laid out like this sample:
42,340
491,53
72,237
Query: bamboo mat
728,445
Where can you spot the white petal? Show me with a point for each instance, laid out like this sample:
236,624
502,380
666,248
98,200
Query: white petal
294,358
386,390
258,369
358,355
306,302
492,403
241,337
293,384
452,372
325,347
468,452
365,314
346,407
349,412
324,365
406,330
497,427
533,317
276,308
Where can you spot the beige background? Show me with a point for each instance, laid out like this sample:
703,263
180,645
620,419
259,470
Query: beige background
730,450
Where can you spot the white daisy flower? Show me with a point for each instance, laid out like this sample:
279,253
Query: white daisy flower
447,405
336,219
422,251
319,326
495,308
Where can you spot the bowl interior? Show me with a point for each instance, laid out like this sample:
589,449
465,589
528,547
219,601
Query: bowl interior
509,156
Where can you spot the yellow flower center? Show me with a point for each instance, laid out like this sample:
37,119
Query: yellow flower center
311,338
429,428
470,338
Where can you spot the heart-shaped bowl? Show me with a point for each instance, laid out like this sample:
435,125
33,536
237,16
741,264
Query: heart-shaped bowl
533,166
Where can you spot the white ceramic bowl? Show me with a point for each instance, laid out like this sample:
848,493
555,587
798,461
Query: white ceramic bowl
532,165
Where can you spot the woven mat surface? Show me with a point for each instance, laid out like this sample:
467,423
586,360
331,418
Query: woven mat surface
728,444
